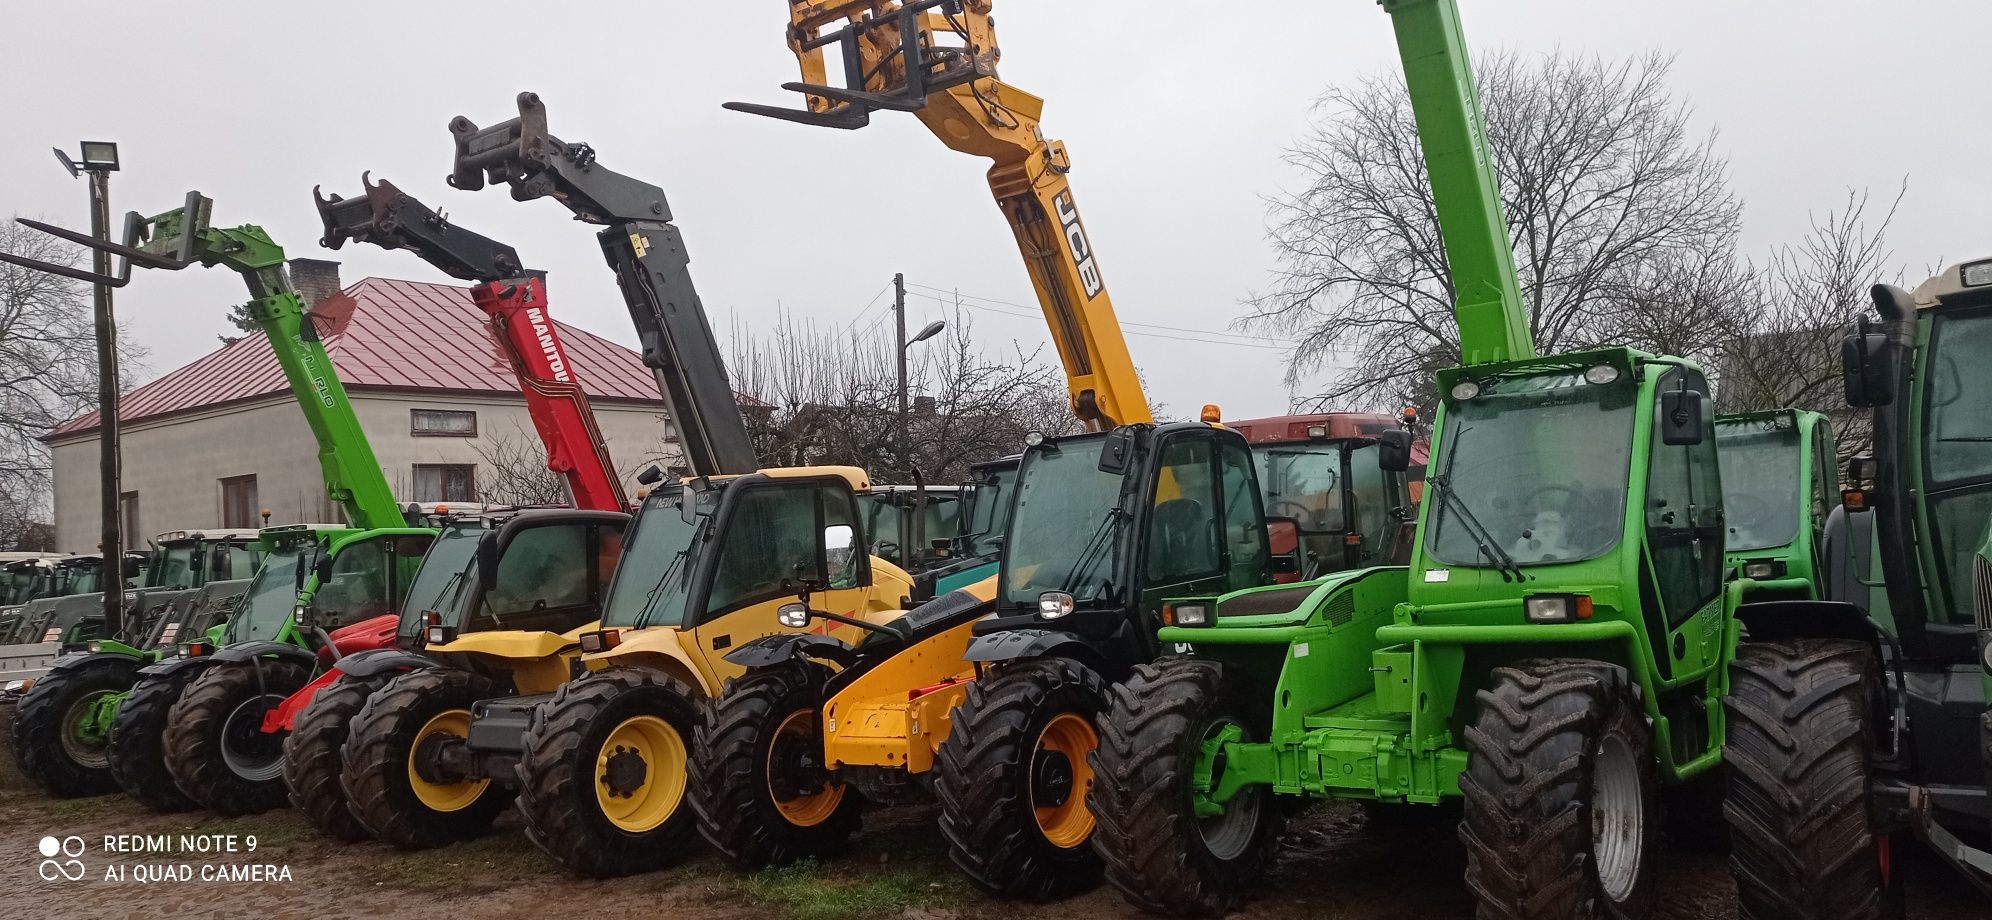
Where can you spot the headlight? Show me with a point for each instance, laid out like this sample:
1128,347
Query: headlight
1764,570
1556,608
195,649
17,686
1189,614
1601,374
1988,656
600,641
1054,604
441,635
298,615
1465,390
93,646
793,616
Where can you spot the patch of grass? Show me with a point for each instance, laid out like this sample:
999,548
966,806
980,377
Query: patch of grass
281,829
806,892
78,808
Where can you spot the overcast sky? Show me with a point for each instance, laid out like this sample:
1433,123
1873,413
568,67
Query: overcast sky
1175,113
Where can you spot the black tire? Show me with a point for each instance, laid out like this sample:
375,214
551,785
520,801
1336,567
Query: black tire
732,789
377,755
312,755
558,778
997,766
1800,732
138,741
216,749
47,743
1554,739
1157,852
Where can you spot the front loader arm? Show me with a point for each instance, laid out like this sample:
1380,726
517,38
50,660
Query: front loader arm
514,300
647,253
937,59
183,237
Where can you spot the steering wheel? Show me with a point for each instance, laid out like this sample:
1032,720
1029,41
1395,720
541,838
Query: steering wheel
1300,512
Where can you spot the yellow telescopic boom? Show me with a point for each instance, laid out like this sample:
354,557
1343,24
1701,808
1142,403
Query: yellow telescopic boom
937,59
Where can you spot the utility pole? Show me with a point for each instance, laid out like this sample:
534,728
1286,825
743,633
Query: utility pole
100,159
899,319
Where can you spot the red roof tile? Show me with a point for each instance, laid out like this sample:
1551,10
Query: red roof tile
385,334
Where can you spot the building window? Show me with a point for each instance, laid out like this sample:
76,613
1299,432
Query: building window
442,423
445,482
128,507
238,502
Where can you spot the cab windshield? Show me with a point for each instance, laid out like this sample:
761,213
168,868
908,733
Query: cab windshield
654,578
272,594
1761,490
86,579
1300,482
175,568
439,583
1535,468
1065,525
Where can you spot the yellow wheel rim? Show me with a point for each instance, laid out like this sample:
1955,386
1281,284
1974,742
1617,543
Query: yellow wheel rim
444,797
1060,777
640,774
814,808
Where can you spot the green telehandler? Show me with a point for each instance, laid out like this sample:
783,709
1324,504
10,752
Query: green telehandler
1553,658
1780,480
187,733
62,723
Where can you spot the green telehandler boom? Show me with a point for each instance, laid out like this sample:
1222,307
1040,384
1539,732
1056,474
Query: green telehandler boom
1553,659
177,736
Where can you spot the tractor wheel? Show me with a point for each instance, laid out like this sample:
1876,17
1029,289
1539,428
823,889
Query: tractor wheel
1013,777
389,797
216,748
602,784
1562,800
1163,857
1801,843
759,785
137,751
53,737
312,763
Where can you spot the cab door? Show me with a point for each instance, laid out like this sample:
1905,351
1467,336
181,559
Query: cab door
774,540
1681,571
1204,524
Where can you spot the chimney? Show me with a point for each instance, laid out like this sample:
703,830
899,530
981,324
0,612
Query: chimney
315,279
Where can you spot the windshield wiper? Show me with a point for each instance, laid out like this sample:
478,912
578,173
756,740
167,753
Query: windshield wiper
1482,537
650,598
1094,548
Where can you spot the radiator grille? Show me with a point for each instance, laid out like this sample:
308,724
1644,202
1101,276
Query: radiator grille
1981,591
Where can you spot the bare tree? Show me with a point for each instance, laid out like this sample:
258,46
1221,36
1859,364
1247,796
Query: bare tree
48,371
515,471
834,399
1614,208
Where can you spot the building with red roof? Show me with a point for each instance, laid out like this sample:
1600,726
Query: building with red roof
219,442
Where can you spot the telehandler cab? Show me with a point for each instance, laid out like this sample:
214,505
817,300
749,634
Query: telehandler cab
1780,479
990,697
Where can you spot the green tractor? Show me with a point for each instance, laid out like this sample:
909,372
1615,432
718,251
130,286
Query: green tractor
190,731
1780,480
62,723
1845,740
1553,660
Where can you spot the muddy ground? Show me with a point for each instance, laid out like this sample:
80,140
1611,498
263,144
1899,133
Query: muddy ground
1334,866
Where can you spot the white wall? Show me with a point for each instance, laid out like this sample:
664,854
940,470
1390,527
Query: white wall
176,465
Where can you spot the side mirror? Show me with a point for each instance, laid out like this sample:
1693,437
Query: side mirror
793,616
131,567
1863,468
487,561
651,476
1393,450
324,570
840,555
1117,451
695,499
1681,421
1867,370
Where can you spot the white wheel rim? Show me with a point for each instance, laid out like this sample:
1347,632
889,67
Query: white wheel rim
1618,818
1229,835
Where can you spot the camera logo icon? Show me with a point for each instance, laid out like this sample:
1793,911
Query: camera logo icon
59,862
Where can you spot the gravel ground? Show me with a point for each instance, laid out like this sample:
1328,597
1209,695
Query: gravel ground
1334,866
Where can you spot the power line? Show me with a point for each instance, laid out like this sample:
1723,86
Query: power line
868,305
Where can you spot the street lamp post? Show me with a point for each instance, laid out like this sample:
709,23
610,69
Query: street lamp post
100,159
932,329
